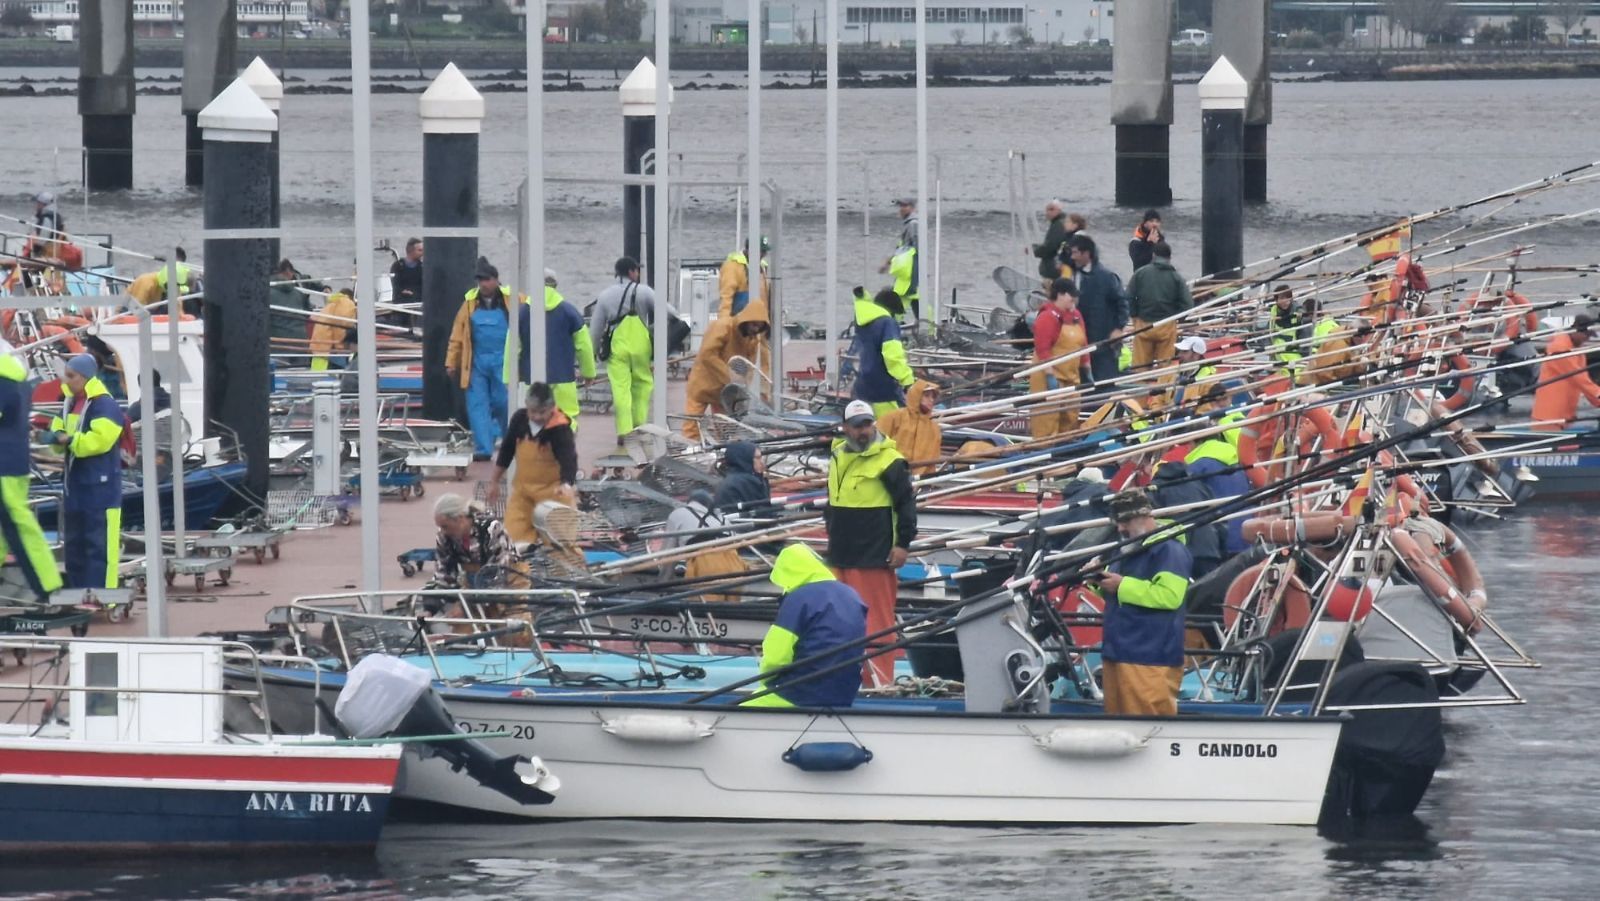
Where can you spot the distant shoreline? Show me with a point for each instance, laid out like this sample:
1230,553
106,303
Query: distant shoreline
863,67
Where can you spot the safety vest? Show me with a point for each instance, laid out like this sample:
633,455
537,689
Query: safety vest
1326,326
855,479
183,278
903,267
1216,447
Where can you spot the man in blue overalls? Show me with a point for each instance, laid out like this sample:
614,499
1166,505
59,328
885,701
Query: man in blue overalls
90,436
477,357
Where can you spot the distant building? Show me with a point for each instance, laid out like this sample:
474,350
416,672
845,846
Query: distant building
164,18
893,22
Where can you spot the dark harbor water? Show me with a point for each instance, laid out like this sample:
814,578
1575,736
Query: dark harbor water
1513,813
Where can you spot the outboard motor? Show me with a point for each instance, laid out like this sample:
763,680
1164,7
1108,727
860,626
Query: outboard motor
384,696
1386,758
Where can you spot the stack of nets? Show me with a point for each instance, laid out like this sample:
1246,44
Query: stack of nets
676,477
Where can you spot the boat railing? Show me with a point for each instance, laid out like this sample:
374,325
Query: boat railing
341,609
233,652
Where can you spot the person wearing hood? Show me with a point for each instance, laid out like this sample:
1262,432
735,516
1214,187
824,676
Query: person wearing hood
742,335
539,438
817,612
20,534
1175,484
871,520
882,373
89,434
733,281
914,430
744,488
694,523
1141,250
568,348
1058,332
477,356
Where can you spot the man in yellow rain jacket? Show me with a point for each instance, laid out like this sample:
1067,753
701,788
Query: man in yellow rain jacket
817,612
914,430
20,534
330,327
742,335
733,281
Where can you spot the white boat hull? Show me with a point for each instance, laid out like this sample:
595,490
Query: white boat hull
926,767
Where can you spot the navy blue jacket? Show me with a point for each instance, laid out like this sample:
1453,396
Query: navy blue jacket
878,352
824,615
1174,484
16,401
741,484
1147,636
561,324
1102,302
1224,482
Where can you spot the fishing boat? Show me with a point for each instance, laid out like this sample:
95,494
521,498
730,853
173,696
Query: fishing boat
128,749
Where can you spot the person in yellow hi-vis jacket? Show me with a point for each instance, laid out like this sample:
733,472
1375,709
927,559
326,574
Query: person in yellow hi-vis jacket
19,530
817,612
568,348
89,435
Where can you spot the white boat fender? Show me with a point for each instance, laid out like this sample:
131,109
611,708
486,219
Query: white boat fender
658,728
1090,742
827,756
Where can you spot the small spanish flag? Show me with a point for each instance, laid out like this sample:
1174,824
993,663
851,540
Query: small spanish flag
1358,494
1389,246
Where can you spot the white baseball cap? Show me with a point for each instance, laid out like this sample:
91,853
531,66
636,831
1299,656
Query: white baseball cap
1193,344
859,409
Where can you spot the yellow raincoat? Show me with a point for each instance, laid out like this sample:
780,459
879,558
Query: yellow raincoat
712,370
917,434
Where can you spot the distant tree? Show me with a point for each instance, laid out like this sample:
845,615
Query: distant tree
1020,35
16,15
1304,40
623,18
587,20
959,34
1492,34
802,34
1420,17
1568,14
1088,34
1456,25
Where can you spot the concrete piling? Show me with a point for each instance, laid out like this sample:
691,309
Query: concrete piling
1141,102
1241,35
105,93
1223,95
210,42
638,95
237,127
452,113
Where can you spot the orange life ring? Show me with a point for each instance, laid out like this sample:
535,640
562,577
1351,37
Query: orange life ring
1464,385
1293,609
70,341
1432,578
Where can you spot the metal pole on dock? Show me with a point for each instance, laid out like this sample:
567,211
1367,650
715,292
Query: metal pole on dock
452,114
922,257
210,41
366,298
180,518
752,191
1241,35
662,207
639,125
533,228
1223,95
238,129
155,583
259,76
830,202
106,93
1141,102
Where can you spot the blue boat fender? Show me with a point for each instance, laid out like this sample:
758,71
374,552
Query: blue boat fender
827,756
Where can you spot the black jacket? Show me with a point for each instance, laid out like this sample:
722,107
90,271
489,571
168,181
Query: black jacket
1173,486
742,490
1141,251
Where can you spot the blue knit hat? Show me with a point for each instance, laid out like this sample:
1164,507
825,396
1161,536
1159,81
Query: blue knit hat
84,365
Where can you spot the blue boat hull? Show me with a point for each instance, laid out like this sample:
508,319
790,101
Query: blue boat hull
205,491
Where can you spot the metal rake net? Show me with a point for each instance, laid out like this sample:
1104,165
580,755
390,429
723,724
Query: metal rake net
299,508
676,477
630,505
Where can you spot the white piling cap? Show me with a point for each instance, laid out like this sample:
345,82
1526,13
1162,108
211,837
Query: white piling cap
1223,87
451,105
638,91
259,76
238,115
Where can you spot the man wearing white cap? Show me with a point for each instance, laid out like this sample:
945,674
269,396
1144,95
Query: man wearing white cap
568,348
1191,350
871,520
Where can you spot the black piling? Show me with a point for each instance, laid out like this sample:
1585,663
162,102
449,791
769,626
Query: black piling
106,93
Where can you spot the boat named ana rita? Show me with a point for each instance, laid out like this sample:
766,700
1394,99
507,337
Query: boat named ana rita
126,748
